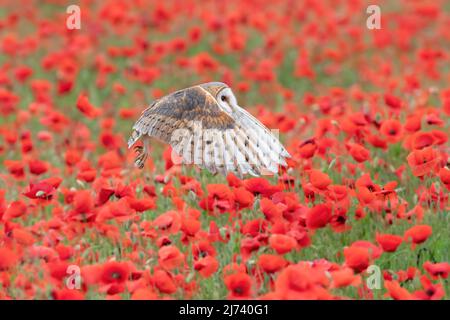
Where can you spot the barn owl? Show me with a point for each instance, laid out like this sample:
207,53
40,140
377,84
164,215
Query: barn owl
206,127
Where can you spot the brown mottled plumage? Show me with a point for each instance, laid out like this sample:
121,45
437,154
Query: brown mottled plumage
205,126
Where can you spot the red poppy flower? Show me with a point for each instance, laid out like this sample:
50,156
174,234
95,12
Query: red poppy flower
418,234
239,285
38,167
440,137
243,198
271,263
123,191
23,237
164,282
407,275
374,251
282,243
87,175
307,149
219,198
393,101
91,274
437,270
16,209
40,190
444,175
433,119
271,211
422,140
392,130
169,222
23,72
396,292
68,294
58,269
72,157
319,179
260,186
430,291
249,245
190,226
358,152
64,252
15,168
389,242
301,282
202,249
142,205
83,202
234,181
413,123
170,257
144,294
345,277
423,162
119,210
206,266
318,216
357,258
8,259
104,195
377,141
85,107
115,272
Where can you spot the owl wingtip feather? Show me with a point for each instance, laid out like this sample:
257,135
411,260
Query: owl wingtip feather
134,137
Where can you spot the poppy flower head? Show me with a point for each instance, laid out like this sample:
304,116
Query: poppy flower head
239,285
170,257
271,263
423,162
389,242
282,243
319,180
357,258
418,234
115,272
318,216
40,190
392,130
437,270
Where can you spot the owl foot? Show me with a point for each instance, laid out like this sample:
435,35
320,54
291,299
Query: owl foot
141,156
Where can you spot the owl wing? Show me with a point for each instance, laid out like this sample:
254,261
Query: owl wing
201,133
180,110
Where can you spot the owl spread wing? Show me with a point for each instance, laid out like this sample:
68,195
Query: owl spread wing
202,133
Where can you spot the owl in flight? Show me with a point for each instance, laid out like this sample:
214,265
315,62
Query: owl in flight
205,126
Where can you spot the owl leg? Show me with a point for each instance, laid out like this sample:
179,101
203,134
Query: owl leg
142,154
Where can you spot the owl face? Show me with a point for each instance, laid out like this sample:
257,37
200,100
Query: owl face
223,95
227,101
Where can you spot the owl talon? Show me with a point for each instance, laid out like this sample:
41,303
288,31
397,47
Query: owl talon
140,160
141,157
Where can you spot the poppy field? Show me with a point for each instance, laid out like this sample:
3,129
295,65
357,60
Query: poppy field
360,212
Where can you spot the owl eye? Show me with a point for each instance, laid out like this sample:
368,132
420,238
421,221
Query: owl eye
223,98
